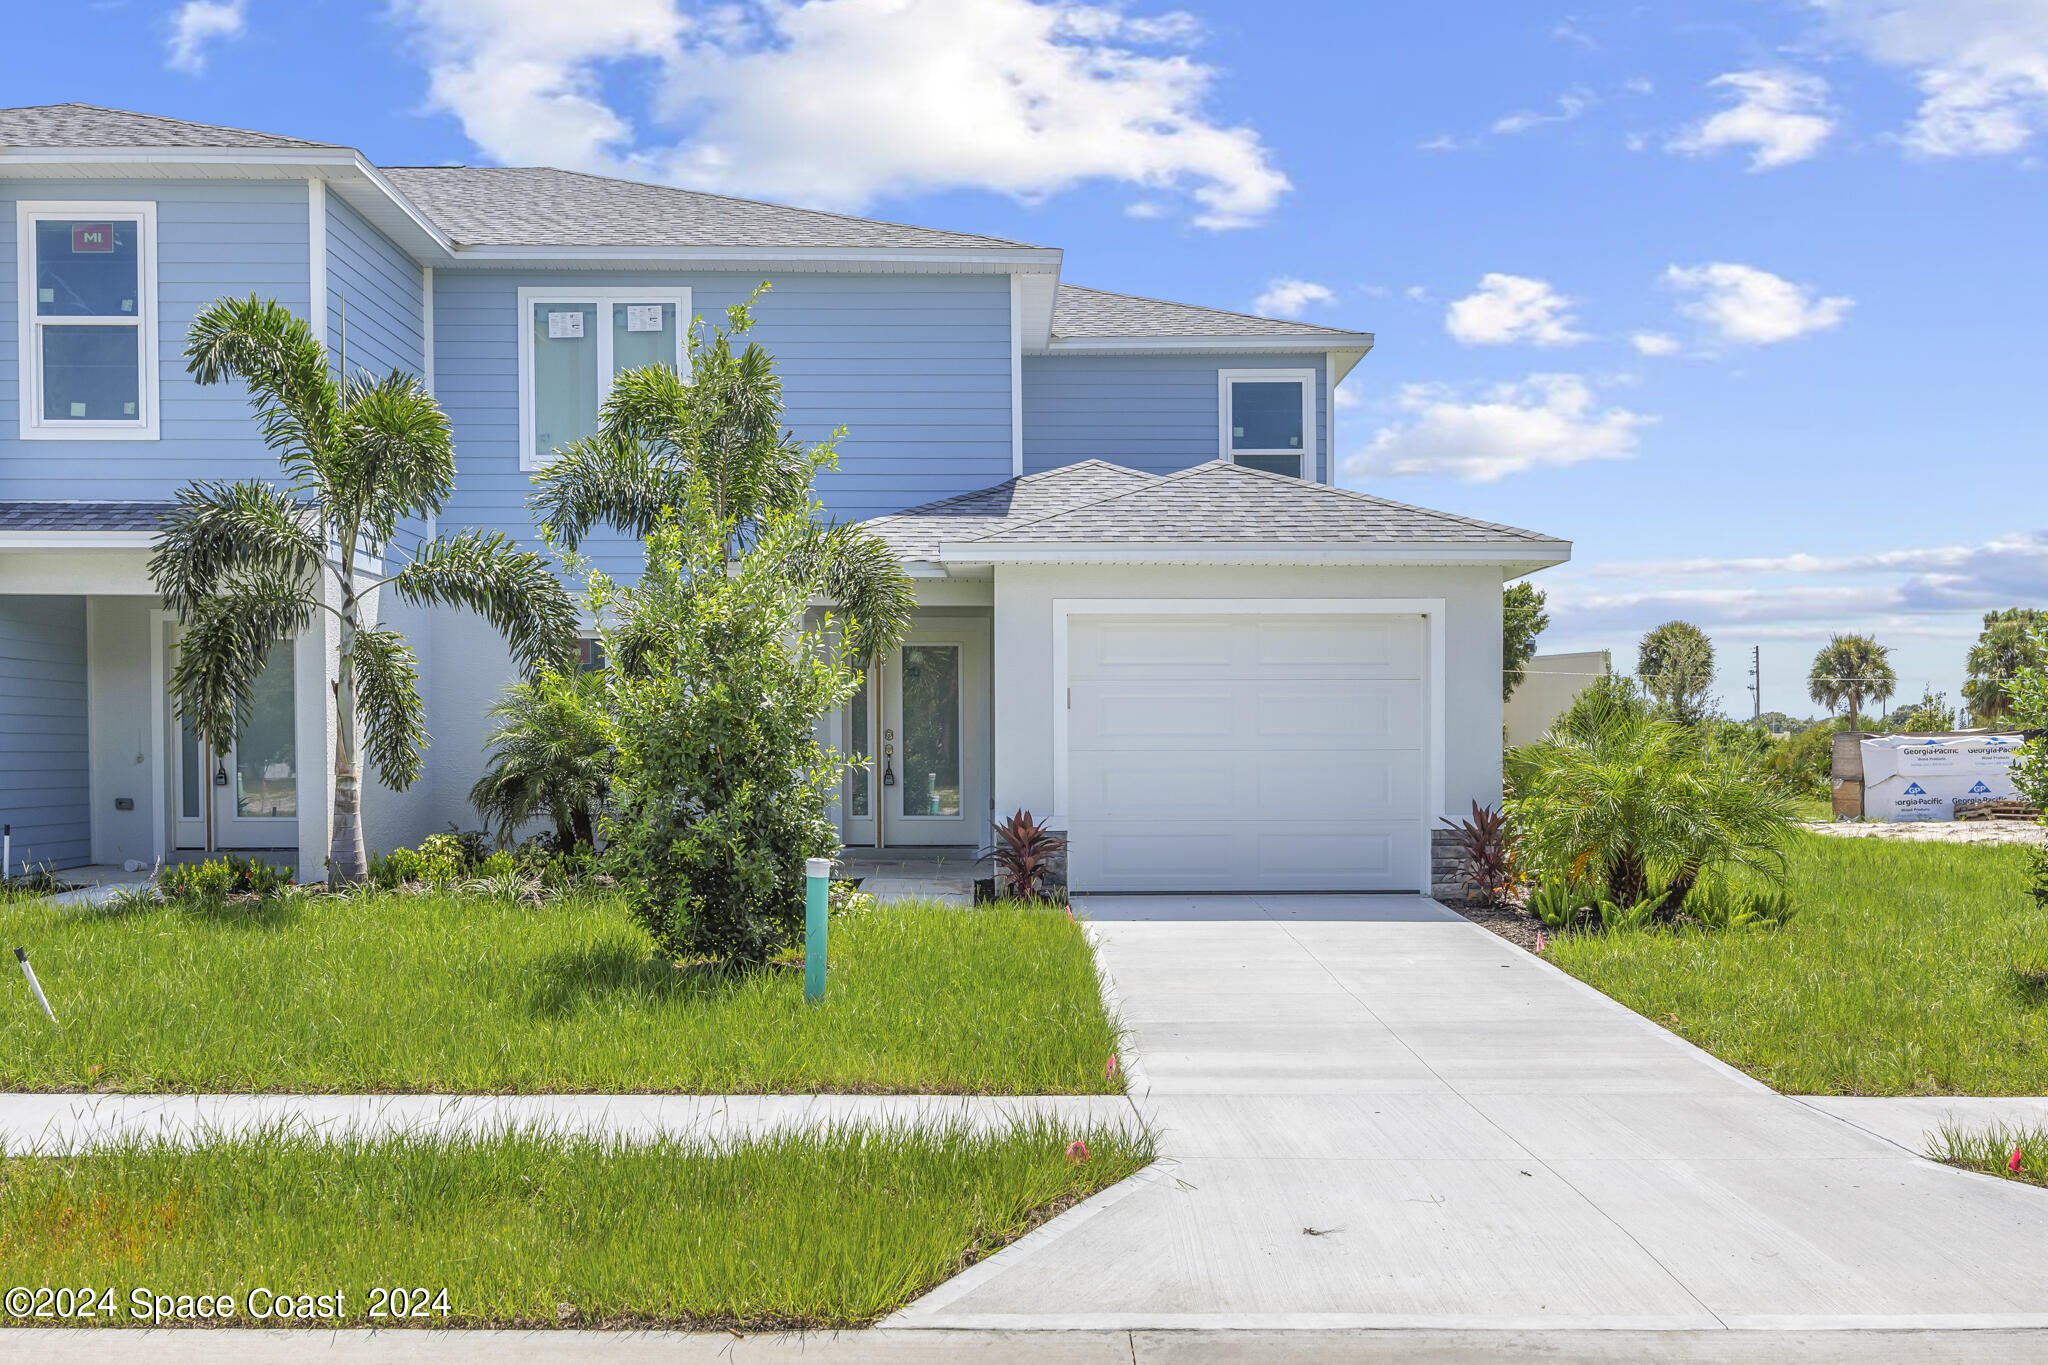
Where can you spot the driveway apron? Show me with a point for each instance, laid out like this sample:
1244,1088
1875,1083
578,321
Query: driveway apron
1374,1113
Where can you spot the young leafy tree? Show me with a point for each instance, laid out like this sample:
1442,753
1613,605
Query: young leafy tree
2009,643
549,755
1848,670
1522,619
2027,708
657,432
1676,664
719,788
246,564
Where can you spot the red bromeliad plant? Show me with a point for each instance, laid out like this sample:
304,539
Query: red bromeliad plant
1489,856
1025,852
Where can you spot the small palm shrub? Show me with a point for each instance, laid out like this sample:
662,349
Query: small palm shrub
1616,796
549,756
436,862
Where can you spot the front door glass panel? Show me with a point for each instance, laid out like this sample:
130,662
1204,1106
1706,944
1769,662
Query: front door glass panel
931,730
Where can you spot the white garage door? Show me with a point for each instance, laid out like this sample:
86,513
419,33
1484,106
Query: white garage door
1245,753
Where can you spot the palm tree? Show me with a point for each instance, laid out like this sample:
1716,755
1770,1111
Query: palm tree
724,425
2009,643
1849,670
550,755
245,564
1619,795
1676,664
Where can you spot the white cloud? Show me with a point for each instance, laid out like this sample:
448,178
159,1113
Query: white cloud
1752,307
197,24
1981,67
834,103
1781,116
1508,308
1290,298
1570,105
1545,421
1655,343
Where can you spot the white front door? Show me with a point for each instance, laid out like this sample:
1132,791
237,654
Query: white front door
934,749
247,796
1245,753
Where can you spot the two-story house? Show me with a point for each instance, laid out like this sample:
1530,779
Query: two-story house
1146,610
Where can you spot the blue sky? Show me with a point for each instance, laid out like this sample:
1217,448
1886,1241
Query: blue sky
1741,297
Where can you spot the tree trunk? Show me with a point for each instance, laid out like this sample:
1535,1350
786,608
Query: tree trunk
583,830
346,860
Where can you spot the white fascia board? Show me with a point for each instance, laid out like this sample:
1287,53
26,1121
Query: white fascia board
1019,260
1525,557
1039,295
924,568
1348,344
77,540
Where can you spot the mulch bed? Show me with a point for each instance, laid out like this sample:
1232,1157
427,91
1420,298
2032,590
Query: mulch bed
1516,926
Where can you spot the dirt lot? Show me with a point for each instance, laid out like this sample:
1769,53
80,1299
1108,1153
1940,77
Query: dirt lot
1941,831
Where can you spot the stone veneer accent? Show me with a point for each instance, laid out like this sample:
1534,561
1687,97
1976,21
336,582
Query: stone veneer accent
1446,867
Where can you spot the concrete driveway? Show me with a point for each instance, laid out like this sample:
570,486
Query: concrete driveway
1376,1114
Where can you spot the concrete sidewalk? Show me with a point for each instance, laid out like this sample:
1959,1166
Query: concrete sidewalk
1377,1114
59,1346
63,1122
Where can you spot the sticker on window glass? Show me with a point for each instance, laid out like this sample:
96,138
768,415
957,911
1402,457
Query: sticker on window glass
78,409
92,237
564,325
643,317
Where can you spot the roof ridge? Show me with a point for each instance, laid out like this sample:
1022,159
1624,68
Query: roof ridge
926,508
725,198
1226,312
168,118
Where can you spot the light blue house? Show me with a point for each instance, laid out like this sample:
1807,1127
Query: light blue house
1145,609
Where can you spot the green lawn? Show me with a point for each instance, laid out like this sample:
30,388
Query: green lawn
468,993
527,1230
1896,978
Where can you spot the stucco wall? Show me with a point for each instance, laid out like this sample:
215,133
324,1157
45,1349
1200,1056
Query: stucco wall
1024,699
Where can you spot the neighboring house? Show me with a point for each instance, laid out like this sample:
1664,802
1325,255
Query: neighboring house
1145,610
1549,683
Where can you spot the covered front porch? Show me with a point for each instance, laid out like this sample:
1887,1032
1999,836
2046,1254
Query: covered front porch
100,773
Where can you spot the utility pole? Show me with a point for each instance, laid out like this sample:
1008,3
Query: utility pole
1756,684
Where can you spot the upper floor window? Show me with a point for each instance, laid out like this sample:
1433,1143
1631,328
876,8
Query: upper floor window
87,278
1269,420
572,341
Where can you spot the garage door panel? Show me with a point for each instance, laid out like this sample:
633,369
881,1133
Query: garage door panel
1363,648
1245,752
1365,786
1371,714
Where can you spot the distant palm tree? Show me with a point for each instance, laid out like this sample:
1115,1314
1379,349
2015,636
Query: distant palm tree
2008,644
248,564
1849,670
550,755
723,423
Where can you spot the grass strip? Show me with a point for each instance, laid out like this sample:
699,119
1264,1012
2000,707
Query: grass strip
531,1229
470,994
1906,972
1990,1150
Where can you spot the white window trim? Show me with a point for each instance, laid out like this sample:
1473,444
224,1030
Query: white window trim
1305,378
34,427
604,297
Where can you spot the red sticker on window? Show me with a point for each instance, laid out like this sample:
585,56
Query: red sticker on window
92,237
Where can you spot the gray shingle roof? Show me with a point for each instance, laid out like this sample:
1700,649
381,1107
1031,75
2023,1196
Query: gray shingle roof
540,206
1212,503
82,516
1082,312
88,125
1230,503
918,532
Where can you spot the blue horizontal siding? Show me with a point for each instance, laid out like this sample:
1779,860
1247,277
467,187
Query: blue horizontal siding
1155,413
374,297
214,238
44,755
916,367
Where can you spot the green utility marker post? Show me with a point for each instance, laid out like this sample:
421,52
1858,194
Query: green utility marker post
817,905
